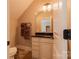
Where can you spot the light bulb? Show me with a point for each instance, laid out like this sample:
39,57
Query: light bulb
55,6
60,4
49,7
44,8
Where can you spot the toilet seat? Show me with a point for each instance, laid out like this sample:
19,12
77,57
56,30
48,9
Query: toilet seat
12,52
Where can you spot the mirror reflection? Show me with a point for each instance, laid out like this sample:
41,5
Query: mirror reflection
44,22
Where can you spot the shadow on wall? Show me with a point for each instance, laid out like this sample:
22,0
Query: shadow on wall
20,40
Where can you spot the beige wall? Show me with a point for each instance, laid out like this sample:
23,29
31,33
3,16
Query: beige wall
69,14
15,9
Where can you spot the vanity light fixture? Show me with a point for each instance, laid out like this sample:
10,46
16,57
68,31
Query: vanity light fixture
60,4
47,7
44,8
54,6
57,5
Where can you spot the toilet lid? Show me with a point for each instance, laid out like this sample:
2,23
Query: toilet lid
12,51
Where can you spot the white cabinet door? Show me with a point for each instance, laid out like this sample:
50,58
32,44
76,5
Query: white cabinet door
35,48
45,51
35,54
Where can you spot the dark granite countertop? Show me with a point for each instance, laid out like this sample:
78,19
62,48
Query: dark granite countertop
40,36
43,35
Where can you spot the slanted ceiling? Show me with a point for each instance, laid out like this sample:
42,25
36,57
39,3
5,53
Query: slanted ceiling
17,7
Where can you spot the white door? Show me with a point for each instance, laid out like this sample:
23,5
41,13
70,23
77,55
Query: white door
59,24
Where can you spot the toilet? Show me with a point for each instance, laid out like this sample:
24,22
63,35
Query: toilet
12,52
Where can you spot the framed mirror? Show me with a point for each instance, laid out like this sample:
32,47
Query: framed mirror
44,22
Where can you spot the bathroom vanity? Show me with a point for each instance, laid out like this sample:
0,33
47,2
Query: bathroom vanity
42,41
42,47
